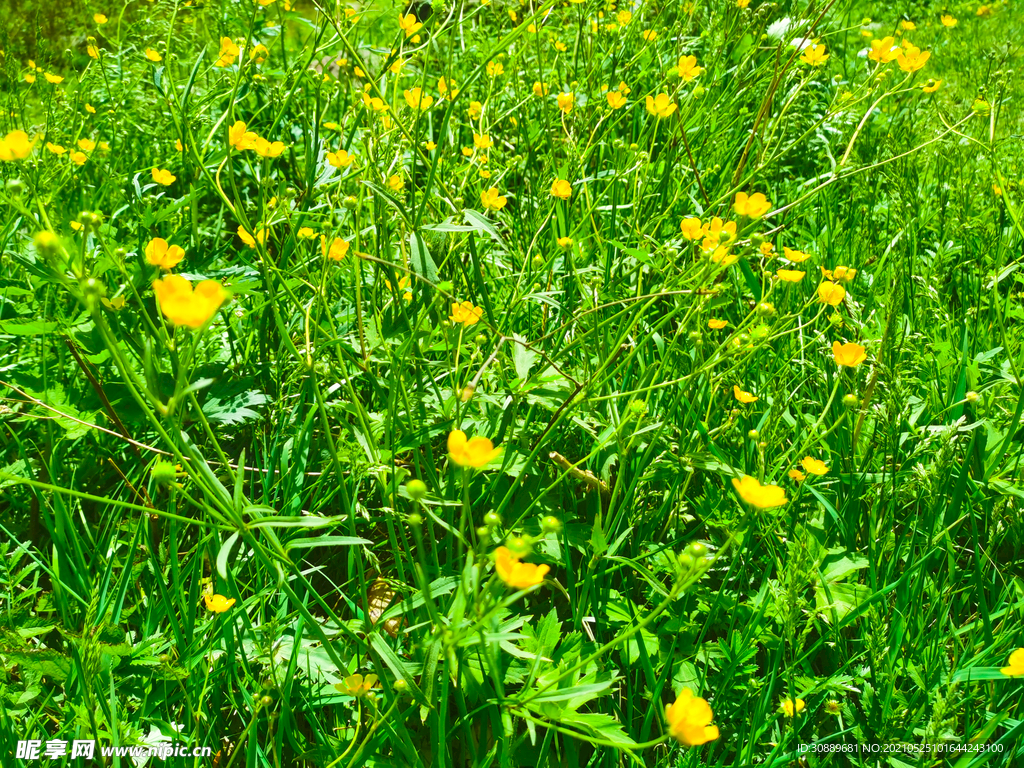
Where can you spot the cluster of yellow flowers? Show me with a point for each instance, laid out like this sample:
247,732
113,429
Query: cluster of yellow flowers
242,139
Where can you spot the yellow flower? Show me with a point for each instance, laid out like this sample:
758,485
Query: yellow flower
796,474
86,145
717,233
692,228
56,149
689,719
717,325
566,101
240,138
218,603
93,51
403,285
416,99
1016,664
908,25
482,141
661,105
883,51
340,159
474,110
948,21
540,89
743,396
30,78
476,452
409,25
766,248
259,53
184,306
153,56
249,240
160,254
306,233
757,495
163,177
931,86
228,53
565,242
53,79
357,685
831,293
491,200
266,148
850,355
15,145
649,34
814,55
337,250
983,10
99,18
114,304
446,88
514,573
789,707
466,314
795,256
813,465
687,68
790,275
561,189
616,100
395,183
912,58
495,68
430,146
78,158
753,206
77,226
623,17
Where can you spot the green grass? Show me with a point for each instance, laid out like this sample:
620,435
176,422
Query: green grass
291,452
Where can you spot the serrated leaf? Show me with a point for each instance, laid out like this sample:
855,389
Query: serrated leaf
234,410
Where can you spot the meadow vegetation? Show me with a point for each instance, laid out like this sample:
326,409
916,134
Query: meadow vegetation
499,383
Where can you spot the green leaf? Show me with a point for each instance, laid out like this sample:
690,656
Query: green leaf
421,261
234,410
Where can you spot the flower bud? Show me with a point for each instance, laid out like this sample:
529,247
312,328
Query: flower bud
416,489
851,401
551,524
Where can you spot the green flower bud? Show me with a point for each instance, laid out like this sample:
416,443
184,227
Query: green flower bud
416,489
551,524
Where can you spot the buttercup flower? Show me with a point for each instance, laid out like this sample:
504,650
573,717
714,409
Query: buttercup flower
395,183
446,88
757,495
849,355
718,233
466,314
266,148
539,88
561,189
692,228
949,21
416,99
403,286
689,719
217,603
482,141
240,138
228,53
15,146
259,53
492,200
566,101
912,58
409,25
814,55
661,105
813,465
184,306
795,256
340,159
717,325
883,51
153,55
753,206
164,177
337,250
1015,666
514,573
687,68
565,242
931,86
357,685
495,68
831,293
742,396
796,475
616,100
789,707
790,275
476,452
160,254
